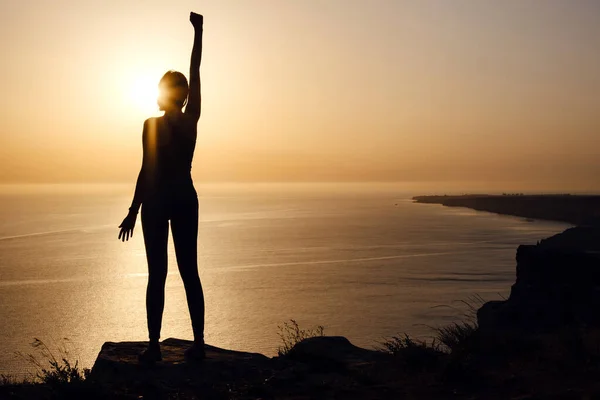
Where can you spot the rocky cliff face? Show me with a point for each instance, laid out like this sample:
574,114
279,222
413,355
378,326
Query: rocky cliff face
557,285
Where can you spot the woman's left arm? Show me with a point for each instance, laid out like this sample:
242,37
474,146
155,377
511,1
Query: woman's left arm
140,189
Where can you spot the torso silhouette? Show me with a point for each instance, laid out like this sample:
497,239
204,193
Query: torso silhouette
169,143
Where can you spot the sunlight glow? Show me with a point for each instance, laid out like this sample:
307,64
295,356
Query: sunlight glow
142,93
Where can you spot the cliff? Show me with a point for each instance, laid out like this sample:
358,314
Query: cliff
576,210
557,286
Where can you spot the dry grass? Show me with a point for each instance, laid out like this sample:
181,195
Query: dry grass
291,334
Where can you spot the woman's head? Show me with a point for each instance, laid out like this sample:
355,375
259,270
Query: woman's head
172,91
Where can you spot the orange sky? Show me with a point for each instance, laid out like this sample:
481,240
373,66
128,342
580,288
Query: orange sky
309,90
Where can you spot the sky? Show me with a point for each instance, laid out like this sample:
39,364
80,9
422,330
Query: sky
504,92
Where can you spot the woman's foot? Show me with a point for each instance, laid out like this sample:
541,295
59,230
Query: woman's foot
151,355
195,353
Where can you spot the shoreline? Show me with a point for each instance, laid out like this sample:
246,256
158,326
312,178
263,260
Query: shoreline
567,208
540,342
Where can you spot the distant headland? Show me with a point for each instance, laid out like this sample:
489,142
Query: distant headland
572,209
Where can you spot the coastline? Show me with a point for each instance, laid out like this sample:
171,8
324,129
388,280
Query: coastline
540,342
572,209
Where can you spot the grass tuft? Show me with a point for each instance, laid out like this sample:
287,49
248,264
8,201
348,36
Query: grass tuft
54,368
458,335
398,344
10,380
291,334
415,355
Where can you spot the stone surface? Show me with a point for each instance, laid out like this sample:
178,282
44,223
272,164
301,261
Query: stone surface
320,367
333,349
118,361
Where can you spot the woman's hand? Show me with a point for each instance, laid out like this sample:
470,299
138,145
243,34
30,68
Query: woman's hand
197,20
127,226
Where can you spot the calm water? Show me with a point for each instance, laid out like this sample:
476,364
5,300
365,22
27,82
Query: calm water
362,260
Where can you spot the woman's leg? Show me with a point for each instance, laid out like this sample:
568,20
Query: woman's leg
155,225
184,225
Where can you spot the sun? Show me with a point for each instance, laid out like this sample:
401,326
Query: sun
142,93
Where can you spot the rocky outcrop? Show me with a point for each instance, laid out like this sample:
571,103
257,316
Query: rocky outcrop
319,367
557,286
117,364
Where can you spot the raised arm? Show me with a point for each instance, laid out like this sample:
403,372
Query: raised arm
194,100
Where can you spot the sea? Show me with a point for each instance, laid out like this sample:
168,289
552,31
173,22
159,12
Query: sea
362,260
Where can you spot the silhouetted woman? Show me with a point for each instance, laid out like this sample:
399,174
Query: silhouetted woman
166,193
